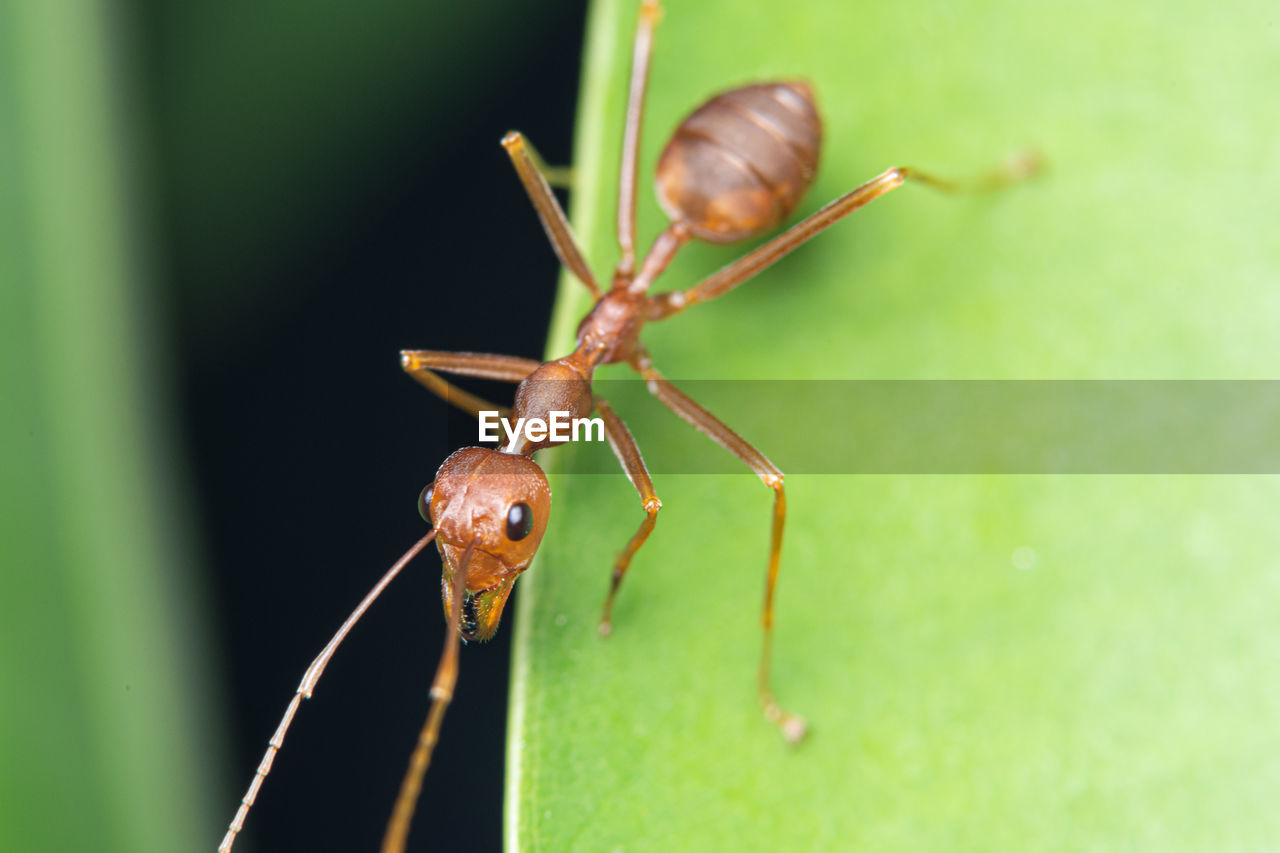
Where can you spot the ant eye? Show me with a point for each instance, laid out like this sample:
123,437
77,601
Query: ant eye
424,503
519,521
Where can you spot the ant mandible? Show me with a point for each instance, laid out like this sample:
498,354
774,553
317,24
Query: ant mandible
735,168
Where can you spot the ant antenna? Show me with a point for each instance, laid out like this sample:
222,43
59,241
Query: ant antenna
308,686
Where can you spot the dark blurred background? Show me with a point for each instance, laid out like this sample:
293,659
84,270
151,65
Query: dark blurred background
328,189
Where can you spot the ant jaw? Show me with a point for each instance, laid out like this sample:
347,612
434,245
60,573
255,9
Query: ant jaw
481,609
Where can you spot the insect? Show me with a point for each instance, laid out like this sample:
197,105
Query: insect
734,168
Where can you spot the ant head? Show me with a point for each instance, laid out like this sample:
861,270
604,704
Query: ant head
499,501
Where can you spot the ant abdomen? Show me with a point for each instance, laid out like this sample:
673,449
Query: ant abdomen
740,163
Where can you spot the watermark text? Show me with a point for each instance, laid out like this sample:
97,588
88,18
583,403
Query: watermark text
560,427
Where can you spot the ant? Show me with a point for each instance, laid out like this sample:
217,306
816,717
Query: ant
734,168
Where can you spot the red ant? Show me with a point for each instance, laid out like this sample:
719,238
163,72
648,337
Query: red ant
735,168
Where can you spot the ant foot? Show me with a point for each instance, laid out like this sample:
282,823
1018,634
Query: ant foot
792,726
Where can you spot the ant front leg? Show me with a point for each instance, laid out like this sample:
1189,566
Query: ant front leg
442,687
791,725
624,447
422,364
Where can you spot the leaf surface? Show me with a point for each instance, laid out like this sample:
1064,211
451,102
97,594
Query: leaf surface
987,662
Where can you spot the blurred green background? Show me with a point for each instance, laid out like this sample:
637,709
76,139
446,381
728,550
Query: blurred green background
219,222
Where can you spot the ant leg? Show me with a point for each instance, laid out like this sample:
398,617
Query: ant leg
664,248
442,686
624,447
307,687
422,364
550,213
791,725
649,12
727,278
560,177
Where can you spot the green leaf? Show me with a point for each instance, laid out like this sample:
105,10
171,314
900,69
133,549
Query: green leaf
1033,662
103,740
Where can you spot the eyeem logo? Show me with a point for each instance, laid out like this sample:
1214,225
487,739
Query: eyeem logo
560,428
